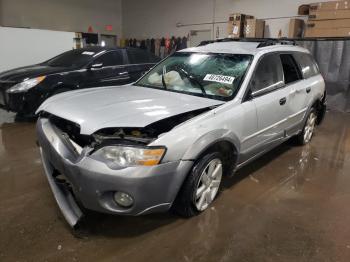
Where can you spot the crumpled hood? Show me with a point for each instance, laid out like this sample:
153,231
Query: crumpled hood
121,106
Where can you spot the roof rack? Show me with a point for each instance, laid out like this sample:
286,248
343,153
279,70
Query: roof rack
263,42
280,41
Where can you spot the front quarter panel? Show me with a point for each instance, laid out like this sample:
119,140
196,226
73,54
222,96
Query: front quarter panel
187,141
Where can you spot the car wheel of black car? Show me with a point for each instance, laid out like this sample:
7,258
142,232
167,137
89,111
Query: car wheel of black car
306,134
201,186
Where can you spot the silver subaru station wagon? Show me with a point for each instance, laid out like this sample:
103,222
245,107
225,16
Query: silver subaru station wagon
166,141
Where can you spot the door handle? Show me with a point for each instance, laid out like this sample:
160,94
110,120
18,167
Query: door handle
308,89
122,73
283,101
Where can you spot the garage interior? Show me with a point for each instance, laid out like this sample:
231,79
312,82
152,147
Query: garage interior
289,205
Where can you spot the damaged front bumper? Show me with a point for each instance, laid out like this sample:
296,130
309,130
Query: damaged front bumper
22,102
91,184
19,102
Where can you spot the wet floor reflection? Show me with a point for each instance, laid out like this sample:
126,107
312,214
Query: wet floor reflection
290,205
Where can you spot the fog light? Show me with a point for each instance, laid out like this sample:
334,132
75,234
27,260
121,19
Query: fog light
123,199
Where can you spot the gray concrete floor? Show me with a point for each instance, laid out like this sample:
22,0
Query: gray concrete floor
6,117
290,205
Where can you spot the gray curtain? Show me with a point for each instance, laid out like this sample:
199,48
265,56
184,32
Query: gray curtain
333,58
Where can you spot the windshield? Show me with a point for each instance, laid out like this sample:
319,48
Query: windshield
78,57
216,76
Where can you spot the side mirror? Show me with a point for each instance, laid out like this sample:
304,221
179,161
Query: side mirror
96,66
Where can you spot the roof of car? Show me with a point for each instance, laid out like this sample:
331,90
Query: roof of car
102,48
244,47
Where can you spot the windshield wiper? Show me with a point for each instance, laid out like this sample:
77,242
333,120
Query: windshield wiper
194,79
163,81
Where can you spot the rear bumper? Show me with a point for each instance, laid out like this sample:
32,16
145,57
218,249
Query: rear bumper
93,183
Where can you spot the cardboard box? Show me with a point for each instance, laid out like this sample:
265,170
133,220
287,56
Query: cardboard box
332,5
254,28
314,32
327,15
323,32
296,28
329,24
304,10
235,25
234,29
343,32
323,6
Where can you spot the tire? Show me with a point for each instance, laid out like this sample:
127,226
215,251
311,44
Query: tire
306,134
187,203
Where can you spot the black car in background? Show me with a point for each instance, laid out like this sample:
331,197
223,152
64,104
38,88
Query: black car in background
22,90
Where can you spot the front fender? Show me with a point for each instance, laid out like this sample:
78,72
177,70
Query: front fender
209,139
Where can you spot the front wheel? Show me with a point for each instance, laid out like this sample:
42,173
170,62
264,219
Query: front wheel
306,134
201,186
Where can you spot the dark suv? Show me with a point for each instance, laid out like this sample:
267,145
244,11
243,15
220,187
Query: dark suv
22,90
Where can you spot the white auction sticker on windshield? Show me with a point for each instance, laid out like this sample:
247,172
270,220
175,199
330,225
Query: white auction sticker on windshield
219,79
88,53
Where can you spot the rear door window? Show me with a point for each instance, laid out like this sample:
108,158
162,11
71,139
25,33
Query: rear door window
138,56
268,75
307,64
290,69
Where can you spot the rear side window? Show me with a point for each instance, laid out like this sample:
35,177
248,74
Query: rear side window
290,69
112,58
138,56
307,64
268,74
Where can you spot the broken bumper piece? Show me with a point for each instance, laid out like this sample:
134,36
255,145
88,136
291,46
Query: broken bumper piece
64,198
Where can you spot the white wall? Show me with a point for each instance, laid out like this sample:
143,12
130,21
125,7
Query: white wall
21,47
63,15
157,18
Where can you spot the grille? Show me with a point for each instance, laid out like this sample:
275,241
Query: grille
61,179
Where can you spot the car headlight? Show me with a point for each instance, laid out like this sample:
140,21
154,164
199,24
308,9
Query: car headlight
127,156
25,85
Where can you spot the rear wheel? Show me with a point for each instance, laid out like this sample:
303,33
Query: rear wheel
306,134
201,186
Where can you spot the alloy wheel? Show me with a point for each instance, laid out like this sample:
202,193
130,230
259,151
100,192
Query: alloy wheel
309,127
208,184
